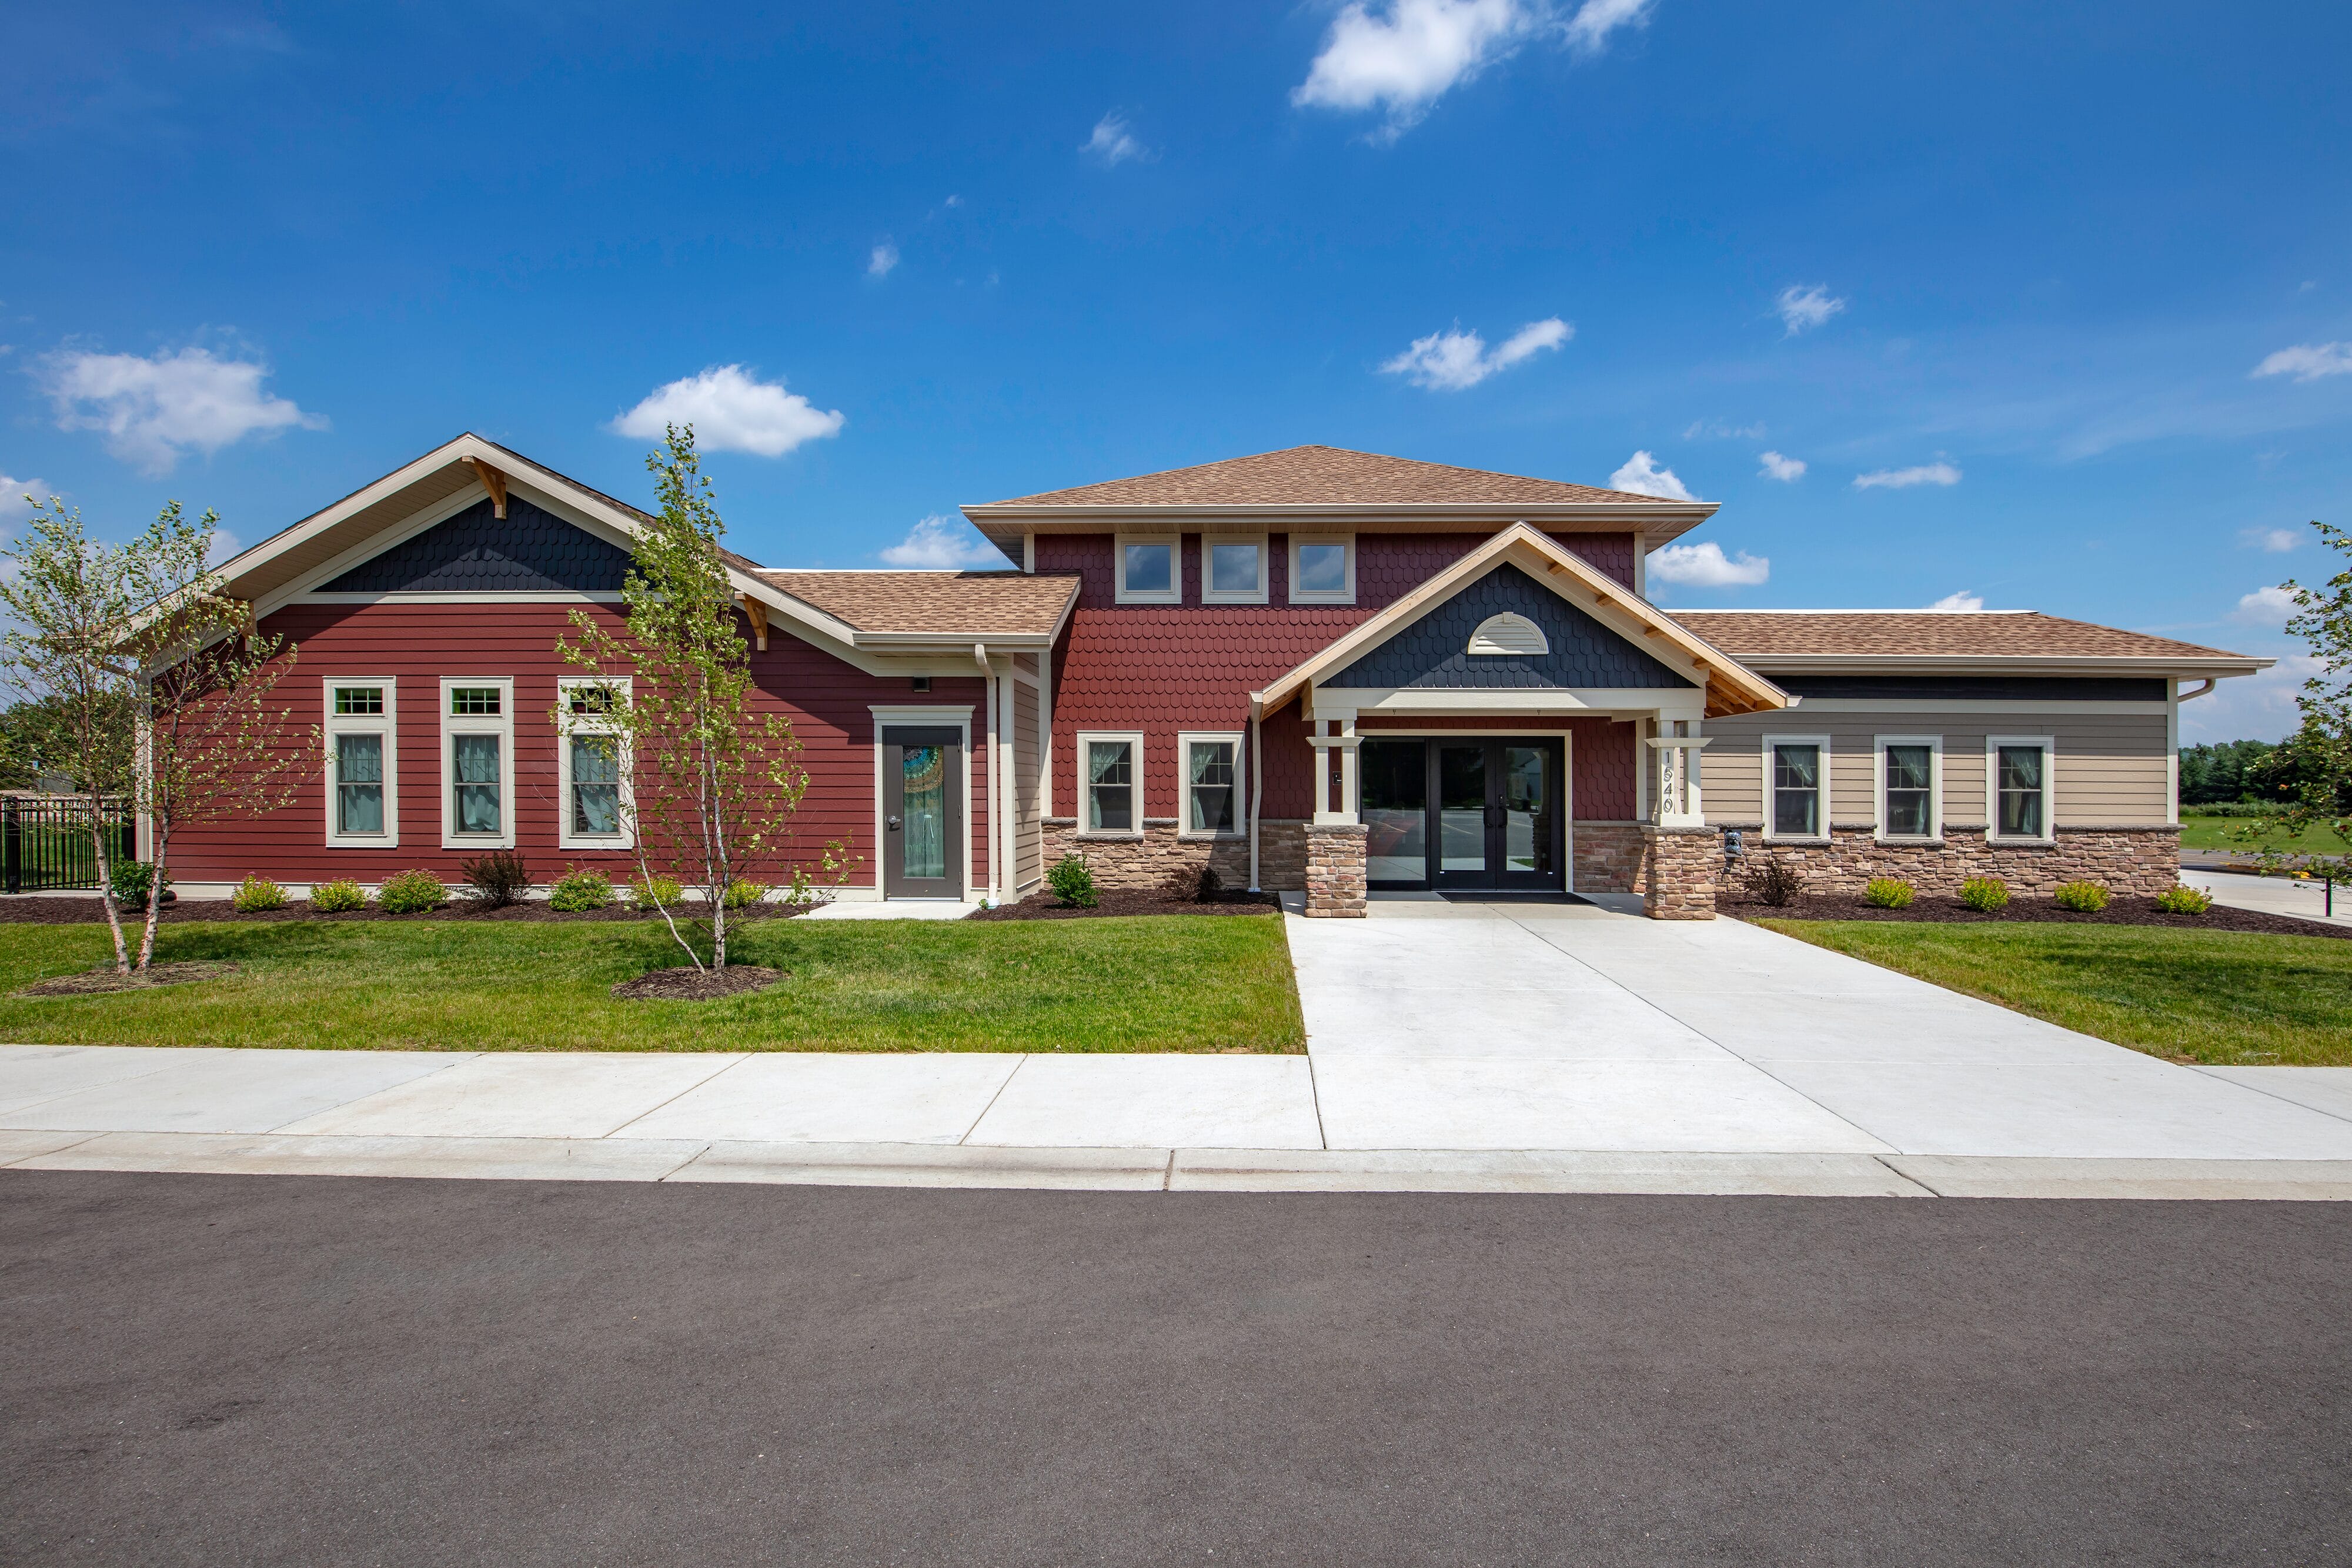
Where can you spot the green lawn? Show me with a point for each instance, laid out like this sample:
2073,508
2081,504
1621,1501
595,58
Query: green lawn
2219,833
2220,997
1161,983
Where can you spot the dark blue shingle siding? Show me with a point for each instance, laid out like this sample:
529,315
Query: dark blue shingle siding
532,550
1431,651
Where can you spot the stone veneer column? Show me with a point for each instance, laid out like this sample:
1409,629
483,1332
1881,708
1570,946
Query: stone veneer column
1335,870
1680,864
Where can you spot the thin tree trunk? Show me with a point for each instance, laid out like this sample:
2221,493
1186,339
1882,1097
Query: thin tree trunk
154,894
106,885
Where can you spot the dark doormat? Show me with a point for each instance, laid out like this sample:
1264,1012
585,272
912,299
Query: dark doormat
1509,896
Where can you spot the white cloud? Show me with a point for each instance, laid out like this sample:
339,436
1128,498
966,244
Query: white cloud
1113,143
155,410
885,258
2308,362
2265,607
1641,475
1904,478
1787,470
730,412
955,201
1802,308
2278,541
1716,430
1705,565
939,542
1404,56
2260,706
225,544
1962,603
1453,360
14,507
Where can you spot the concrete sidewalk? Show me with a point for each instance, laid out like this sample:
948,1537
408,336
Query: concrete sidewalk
2305,900
1454,1046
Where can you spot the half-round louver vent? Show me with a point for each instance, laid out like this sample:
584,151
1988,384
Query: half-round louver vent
1509,634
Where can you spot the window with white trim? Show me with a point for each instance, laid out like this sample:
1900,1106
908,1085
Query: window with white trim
1322,569
1150,571
1796,786
477,762
1233,570
2017,785
1910,786
592,765
1213,778
363,733
1110,783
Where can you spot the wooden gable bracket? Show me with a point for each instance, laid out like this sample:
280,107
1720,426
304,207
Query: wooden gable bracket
495,483
758,613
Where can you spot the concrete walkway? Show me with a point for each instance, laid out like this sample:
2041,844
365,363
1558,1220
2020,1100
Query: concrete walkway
1502,1046
2274,895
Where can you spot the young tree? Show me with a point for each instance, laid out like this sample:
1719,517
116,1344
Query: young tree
2317,789
709,786
215,745
71,603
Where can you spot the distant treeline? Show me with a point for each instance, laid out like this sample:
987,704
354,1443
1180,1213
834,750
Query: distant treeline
2253,771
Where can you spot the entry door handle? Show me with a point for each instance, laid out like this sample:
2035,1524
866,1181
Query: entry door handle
894,824
1497,815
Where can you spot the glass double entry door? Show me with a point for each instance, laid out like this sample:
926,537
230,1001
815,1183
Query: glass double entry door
1465,813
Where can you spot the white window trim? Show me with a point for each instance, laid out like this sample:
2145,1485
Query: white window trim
1184,740
1175,592
2049,745
1257,595
454,724
958,718
1084,798
569,724
1934,744
1346,595
387,723
1823,742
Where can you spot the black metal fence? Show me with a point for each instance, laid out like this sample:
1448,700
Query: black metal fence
44,841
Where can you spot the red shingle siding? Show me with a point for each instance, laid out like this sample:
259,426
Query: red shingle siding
419,645
1166,669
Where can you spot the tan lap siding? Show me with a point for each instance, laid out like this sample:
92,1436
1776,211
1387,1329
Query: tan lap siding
2109,769
1028,827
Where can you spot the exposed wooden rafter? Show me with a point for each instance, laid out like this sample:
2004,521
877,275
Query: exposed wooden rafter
495,483
758,612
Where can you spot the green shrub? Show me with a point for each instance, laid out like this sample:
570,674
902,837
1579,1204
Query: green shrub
577,890
1073,883
1887,893
743,892
497,878
256,894
131,880
1984,894
646,892
2183,899
411,892
336,897
2082,898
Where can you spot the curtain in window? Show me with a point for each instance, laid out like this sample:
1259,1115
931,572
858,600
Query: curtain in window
2021,790
1110,790
595,784
359,783
475,761
1910,792
1211,787
1796,790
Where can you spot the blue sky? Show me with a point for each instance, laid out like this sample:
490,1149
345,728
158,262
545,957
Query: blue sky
2025,269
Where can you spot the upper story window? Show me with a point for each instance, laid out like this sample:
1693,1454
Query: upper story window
1797,770
362,762
1148,570
2017,780
1322,569
1233,570
477,763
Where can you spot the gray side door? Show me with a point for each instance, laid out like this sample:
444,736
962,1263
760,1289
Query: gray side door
922,813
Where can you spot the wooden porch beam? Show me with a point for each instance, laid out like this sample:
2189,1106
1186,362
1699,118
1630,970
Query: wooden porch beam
758,614
495,483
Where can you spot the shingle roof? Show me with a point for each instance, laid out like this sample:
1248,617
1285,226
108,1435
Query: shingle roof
2025,634
1327,475
966,603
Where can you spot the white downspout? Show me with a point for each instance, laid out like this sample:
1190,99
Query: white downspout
988,726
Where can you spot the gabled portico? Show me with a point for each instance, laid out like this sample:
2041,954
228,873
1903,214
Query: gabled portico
1444,727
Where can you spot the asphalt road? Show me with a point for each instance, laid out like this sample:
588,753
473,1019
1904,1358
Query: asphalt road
227,1370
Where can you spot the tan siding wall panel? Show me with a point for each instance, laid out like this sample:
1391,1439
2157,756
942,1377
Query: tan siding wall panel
1028,824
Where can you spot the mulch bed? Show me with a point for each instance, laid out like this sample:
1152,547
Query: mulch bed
1946,909
688,984
1046,906
35,910
96,982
